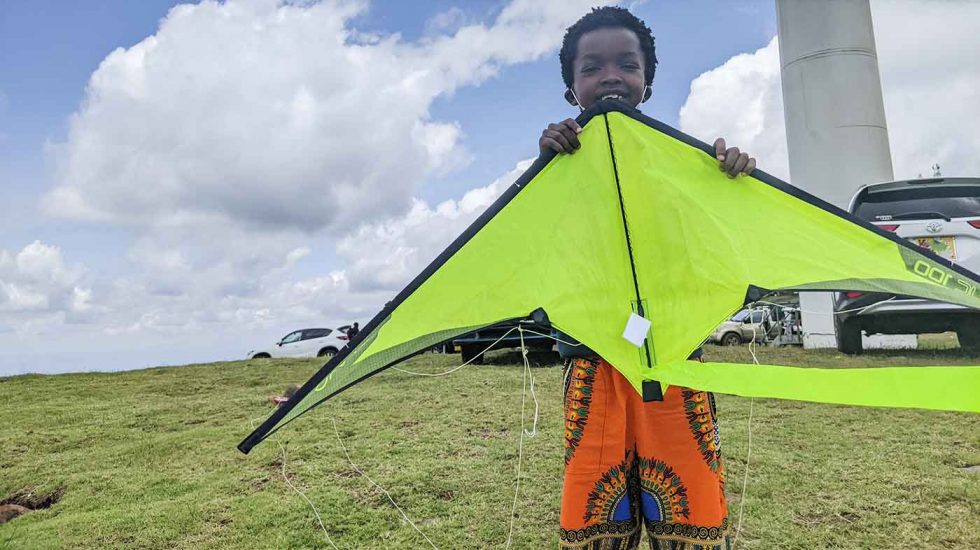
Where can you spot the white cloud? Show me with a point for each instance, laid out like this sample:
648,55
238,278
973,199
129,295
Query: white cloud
243,131
37,288
386,255
929,88
447,21
742,101
272,115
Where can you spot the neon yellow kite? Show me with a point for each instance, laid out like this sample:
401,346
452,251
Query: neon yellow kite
648,217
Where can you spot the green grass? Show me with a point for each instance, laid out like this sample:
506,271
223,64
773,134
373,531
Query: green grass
147,459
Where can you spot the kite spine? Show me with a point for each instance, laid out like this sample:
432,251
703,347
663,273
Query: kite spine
626,233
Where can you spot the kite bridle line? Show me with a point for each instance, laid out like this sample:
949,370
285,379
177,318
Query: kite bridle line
524,432
532,433
748,452
534,397
356,469
454,369
383,490
294,488
520,441
857,309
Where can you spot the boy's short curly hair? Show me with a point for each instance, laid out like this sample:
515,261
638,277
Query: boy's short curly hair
608,16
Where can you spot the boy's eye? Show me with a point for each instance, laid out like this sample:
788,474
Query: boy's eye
631,66
589,69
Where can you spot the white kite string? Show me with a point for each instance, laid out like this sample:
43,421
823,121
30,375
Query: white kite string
555,338
564,378
302,494
748,452
383,490
534,397
857,309
293,487
454,369
520,444
745,477
534,427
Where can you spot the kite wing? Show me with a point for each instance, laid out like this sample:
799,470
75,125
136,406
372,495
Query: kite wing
640,221
696,267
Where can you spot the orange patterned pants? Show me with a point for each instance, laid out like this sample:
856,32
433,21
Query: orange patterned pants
630,464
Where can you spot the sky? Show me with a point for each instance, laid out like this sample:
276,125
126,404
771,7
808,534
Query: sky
185,182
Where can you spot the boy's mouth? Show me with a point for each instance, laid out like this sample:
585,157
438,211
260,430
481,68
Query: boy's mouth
614,95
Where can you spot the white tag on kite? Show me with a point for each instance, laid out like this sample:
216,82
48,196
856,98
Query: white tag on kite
636,329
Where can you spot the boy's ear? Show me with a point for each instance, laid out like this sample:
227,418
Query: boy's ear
570,97
647,93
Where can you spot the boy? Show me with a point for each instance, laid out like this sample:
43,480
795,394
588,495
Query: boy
626,460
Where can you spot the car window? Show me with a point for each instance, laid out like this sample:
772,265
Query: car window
292,337
315,333
952,201
757,316
738,317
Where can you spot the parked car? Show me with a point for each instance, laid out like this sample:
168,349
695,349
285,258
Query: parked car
757,325
941,214
308,342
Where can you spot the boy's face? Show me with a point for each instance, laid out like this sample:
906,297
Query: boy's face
609,63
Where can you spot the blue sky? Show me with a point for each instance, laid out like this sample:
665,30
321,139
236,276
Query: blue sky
182,185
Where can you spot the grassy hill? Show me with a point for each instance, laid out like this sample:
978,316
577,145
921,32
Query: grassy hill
147,459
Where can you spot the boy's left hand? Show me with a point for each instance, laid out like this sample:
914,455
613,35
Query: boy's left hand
731,160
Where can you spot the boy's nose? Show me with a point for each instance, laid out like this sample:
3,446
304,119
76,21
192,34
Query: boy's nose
611,77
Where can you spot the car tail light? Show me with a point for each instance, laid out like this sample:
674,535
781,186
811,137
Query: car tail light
974,223
889,227
852,294
342,337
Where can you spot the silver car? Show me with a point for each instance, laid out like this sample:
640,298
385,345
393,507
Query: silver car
941,214
744,326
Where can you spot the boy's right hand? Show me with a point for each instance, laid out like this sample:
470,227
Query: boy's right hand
561,137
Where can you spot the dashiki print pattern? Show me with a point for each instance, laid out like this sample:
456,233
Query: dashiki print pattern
631,466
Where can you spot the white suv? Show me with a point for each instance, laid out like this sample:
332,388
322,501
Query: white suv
941,214
309,342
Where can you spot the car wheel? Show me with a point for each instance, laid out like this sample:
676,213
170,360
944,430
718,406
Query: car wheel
969,337
472,355
849,338
731,339
327,353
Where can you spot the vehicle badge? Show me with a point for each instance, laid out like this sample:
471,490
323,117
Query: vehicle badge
934,227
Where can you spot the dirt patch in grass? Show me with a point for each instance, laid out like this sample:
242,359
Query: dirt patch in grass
27,500
31,498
